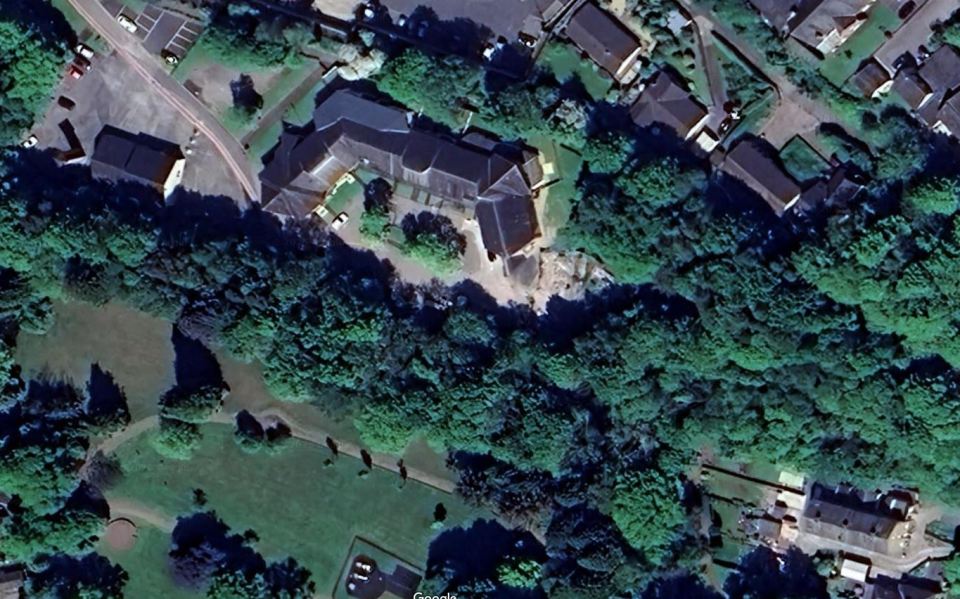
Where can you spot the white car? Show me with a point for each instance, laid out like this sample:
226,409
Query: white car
84,51
126,23
340,221
30,142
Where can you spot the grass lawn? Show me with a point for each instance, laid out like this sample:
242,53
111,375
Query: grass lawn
801,160
338,200
560,195
754,115
839,66
136,349
565,62
146,564
296,504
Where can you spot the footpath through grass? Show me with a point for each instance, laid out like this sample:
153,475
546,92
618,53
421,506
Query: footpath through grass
297,505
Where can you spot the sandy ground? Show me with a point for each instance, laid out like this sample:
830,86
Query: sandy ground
121,534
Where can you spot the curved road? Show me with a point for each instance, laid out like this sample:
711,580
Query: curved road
129,49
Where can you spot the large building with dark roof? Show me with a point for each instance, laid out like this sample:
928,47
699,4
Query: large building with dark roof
119,155
492,181
606,40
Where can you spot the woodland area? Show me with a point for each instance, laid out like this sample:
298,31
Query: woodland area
825,343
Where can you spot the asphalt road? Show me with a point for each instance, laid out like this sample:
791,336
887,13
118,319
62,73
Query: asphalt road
129,49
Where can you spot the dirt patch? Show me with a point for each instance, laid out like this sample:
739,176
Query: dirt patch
121,534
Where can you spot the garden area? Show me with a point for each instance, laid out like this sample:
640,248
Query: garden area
327,503
566,63
839,66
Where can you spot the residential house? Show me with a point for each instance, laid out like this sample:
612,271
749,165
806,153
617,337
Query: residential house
489,180
665,101
906,587
913,90
123,156
830,23
872,79
11,582
931,90
753,163
606,40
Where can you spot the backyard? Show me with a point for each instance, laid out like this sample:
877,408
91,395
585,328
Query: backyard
839,66
326,502
566,63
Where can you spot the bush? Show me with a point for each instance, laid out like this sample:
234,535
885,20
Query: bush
937,196
194,406
434,241
176,439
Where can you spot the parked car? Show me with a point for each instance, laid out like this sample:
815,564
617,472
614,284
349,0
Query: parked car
322,212
82,62
169,57
30,142
340,221
66,102
84,51
126,23
74,71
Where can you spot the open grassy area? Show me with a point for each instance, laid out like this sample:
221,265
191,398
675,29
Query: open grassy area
801,160
147,565
136,349
839,66
296,504
565,62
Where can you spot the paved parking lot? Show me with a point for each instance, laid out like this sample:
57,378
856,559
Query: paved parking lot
167,31
160,29
112,93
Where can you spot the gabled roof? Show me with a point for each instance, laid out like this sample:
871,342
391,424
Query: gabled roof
666,101
749,162
351,129
870,77
602,36
911,88
120,154
948,117
826,17
783,15
941,70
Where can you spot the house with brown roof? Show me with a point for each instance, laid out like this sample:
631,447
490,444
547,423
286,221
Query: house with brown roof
753,163
911,88
665,101
11,582
872,79
123,156
829,24
605,40
932,90
490,181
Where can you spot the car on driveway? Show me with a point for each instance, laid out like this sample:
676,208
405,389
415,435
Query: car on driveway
127,23
84,51
30,142
339,222
66,102
74,71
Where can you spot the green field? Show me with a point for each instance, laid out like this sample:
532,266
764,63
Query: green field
296,504
147,565
565,62
801,160
839,66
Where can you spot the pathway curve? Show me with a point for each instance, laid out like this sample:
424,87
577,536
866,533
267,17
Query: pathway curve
128,47
136,511
310,435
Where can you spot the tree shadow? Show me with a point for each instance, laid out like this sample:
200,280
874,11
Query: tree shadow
195,365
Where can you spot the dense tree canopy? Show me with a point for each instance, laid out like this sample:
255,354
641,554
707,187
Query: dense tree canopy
30,67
